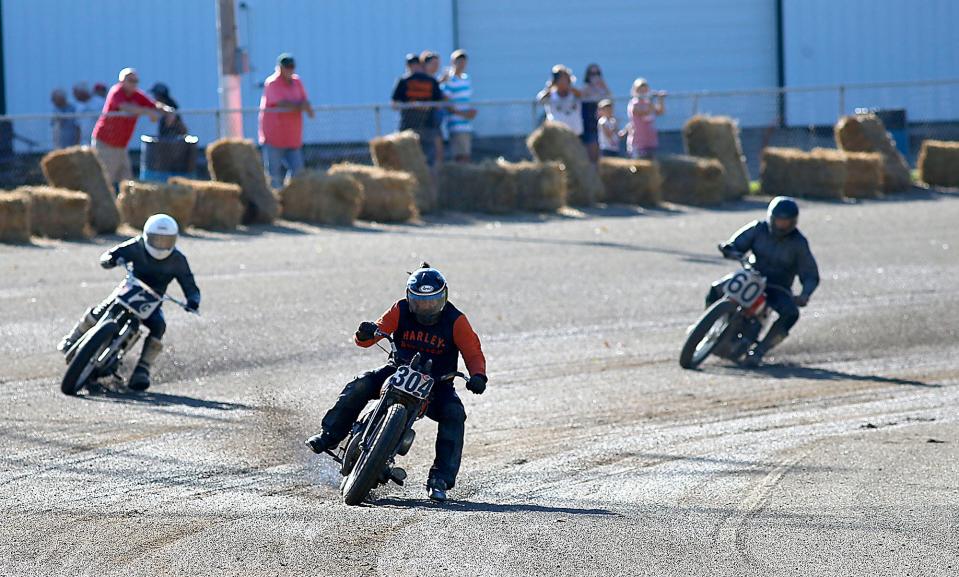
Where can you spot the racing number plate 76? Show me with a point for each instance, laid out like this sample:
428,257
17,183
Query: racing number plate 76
411,382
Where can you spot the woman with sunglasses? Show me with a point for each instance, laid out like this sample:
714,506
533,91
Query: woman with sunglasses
594,90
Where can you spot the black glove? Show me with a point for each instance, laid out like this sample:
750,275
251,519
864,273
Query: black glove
477,384
366,331
729,251
192,306
801,300
106,260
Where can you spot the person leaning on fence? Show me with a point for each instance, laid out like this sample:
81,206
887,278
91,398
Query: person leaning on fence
66,129
431,67
417,86
125,102
458,88
642,110
594,90
562,100
170,125
83,101
282,106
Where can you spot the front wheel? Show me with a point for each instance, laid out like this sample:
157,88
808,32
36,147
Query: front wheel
84,362
372,462
707,333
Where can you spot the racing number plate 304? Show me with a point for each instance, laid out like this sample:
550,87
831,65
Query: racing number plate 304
411,382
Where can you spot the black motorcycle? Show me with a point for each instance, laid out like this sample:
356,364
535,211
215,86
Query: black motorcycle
729,327
367,457
100,351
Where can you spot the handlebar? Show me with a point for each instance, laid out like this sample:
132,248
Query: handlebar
447,377
166,298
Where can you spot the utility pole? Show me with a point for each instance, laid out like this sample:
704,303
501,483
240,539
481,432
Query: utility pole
231,123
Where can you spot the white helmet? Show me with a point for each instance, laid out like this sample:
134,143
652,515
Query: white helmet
159,235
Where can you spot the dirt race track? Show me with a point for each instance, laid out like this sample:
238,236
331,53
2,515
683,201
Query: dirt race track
592,452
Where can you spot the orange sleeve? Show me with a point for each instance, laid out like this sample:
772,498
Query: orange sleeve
388,323
468,343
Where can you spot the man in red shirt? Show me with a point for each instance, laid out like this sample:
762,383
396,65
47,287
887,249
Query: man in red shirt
113,130
281,122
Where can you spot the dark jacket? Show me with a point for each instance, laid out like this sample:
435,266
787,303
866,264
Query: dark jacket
417,87
157,274
443,342
779,258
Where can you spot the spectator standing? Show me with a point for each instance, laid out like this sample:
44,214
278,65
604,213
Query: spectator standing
607,131
594,90
642,111
170,125
66,129
86,108
562,100
418,86
281,121
431,66
458,89
125,102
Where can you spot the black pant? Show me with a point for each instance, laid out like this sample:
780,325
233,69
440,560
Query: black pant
445,408
779,299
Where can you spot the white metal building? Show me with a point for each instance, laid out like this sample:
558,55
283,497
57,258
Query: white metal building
352,52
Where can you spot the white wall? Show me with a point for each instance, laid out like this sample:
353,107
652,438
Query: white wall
848,41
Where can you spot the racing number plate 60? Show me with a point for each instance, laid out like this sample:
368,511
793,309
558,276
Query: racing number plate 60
745,287
411,382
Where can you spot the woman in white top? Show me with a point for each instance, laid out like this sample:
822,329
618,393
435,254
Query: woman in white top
562,100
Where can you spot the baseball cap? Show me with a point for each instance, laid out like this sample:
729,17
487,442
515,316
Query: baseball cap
458,54
412,58
285,60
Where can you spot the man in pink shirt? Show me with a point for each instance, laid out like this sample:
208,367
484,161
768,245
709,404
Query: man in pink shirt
113,130
281,121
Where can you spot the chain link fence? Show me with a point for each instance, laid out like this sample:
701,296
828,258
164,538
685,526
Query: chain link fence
800,117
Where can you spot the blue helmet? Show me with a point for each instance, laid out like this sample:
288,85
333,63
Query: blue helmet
427,294
782,208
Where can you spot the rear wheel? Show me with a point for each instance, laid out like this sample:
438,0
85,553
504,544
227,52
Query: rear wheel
707,333
372,462
84,362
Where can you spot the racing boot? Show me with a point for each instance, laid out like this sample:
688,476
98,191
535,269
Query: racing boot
776,335
321,443
140,379
436,490
83,325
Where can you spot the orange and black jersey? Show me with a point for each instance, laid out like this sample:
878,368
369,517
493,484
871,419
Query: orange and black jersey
442,342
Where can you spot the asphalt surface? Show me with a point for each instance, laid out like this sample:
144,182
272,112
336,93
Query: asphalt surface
592,452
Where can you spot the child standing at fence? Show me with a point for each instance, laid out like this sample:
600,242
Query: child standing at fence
643,110
606,127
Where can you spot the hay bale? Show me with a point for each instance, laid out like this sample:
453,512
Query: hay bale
867,133
718,137
485,187
238,161
554,141
631,181
540,186
219,205
793,172
939,163
863,175
58,212
77,168
141,200
317,197
691,180
388,195
14,217
402,151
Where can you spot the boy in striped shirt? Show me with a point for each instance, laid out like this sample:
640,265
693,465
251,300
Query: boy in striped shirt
459,90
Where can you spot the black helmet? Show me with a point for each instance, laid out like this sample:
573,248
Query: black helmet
782,208
426,293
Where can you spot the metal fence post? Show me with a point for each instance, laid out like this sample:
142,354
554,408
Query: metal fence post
842,99
534,117
378,120
695,104
219,124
